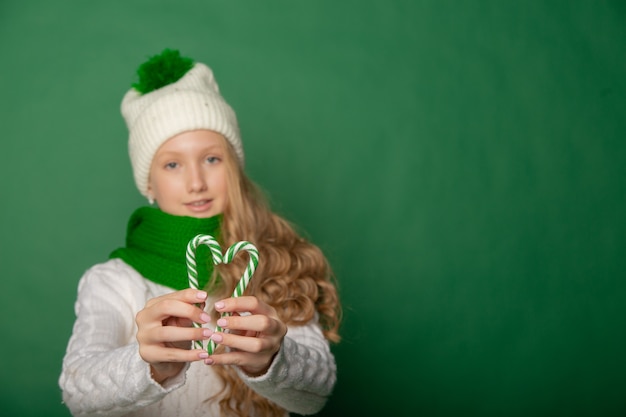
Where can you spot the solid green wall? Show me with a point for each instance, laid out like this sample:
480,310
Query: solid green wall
461,163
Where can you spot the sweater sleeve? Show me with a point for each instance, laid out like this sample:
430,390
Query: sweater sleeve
103,373
303,373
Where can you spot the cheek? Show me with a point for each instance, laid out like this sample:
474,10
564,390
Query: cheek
161,185
220,184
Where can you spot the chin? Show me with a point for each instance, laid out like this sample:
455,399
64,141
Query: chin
201,215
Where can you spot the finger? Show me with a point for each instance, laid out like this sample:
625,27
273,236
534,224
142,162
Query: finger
171,307
251,363
170,334
255,323
239,358
244,304
188,295
244,343
158,354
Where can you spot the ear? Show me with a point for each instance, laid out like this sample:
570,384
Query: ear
149,194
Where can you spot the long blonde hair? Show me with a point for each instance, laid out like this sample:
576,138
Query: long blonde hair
293,276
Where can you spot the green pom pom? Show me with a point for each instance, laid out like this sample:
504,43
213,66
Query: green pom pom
161,70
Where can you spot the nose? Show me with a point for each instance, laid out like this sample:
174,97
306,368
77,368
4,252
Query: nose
196,182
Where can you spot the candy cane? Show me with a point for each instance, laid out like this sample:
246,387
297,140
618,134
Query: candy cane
192,271
216,253
245,279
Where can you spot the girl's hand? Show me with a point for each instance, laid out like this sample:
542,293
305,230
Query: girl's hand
254,339
164,332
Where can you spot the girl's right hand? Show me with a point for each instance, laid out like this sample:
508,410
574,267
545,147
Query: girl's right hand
164,332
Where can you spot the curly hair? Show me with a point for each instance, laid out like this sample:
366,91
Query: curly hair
293,276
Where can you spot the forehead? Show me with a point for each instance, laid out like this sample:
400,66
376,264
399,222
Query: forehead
193,141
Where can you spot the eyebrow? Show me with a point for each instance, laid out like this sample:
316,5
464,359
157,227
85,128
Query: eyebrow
209,148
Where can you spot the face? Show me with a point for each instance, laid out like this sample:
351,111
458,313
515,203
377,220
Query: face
188,174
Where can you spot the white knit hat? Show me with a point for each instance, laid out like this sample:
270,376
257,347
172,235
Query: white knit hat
193,102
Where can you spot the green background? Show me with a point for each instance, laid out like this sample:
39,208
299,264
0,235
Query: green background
461,163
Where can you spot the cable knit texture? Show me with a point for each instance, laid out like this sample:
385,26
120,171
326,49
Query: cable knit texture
103,374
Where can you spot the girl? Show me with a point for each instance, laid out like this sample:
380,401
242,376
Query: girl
130,352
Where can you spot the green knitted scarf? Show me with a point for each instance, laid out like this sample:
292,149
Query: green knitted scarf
156,244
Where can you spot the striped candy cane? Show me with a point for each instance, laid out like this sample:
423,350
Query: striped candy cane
192,271
216,253
245,279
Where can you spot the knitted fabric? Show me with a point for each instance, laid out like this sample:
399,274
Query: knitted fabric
103,374
191,103
156,244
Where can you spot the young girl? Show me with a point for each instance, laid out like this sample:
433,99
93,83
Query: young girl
130,352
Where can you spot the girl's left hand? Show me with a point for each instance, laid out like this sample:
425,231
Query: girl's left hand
253,339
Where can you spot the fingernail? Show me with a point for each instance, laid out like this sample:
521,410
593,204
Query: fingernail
203,355
222,322
208,361
219,305
201,295
216,337
207,332
205,317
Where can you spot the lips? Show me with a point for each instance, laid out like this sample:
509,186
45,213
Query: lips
199,202
199,205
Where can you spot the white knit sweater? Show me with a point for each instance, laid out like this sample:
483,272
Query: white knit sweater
103,374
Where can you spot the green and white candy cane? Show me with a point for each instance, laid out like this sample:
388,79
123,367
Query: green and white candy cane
218,258
192,271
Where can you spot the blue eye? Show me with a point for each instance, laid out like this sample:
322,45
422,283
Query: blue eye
171,165
212,159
